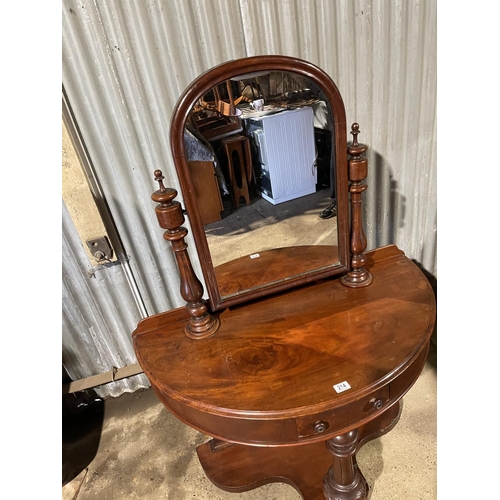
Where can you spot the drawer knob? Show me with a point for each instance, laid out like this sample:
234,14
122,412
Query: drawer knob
320,427
377,404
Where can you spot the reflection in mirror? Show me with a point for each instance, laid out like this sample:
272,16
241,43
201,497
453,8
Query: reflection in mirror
260,151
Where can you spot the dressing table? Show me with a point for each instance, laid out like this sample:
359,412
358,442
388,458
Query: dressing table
300,354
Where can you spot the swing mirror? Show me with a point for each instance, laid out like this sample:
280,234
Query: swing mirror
260,149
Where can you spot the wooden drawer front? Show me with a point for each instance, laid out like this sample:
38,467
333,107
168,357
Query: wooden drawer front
242,430
333,421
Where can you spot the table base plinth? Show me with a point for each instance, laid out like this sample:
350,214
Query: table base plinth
309,468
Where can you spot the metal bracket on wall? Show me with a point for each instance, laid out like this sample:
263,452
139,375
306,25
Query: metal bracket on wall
101,249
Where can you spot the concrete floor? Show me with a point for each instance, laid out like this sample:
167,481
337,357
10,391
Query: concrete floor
259,226
131,447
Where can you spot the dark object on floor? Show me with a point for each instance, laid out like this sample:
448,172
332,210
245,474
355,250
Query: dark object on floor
329,211
82,420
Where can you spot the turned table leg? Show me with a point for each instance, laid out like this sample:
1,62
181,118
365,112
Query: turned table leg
343,480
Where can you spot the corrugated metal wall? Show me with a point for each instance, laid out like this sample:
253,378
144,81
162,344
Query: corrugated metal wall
125,63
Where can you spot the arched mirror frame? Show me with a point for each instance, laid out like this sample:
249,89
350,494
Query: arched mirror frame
191,95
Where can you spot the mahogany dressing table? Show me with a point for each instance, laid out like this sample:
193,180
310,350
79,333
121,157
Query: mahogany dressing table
300,356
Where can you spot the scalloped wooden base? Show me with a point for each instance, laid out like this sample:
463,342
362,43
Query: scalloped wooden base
308,467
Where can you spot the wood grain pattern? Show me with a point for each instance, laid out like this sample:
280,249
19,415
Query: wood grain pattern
276,359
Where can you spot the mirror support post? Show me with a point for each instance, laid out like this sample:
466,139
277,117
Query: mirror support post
359,276
201,323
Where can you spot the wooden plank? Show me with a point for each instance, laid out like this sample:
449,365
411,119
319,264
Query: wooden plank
102,378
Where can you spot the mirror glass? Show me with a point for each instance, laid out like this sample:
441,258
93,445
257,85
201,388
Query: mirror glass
260,165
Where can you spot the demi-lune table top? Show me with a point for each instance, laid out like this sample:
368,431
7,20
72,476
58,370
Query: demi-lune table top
320,348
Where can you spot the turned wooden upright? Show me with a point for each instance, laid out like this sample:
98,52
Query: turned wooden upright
359,276
201,323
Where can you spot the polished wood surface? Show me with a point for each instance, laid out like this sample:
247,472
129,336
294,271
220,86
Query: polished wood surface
268,374
358,276
238,468
276,265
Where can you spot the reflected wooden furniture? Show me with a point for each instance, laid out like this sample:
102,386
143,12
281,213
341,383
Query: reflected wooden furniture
292,385
207,190
239,164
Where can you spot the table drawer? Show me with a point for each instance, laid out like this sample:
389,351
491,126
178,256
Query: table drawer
333,421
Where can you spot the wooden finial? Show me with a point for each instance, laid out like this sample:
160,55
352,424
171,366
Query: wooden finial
358,171
355,150
355,131
163,195
159,178
201,323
